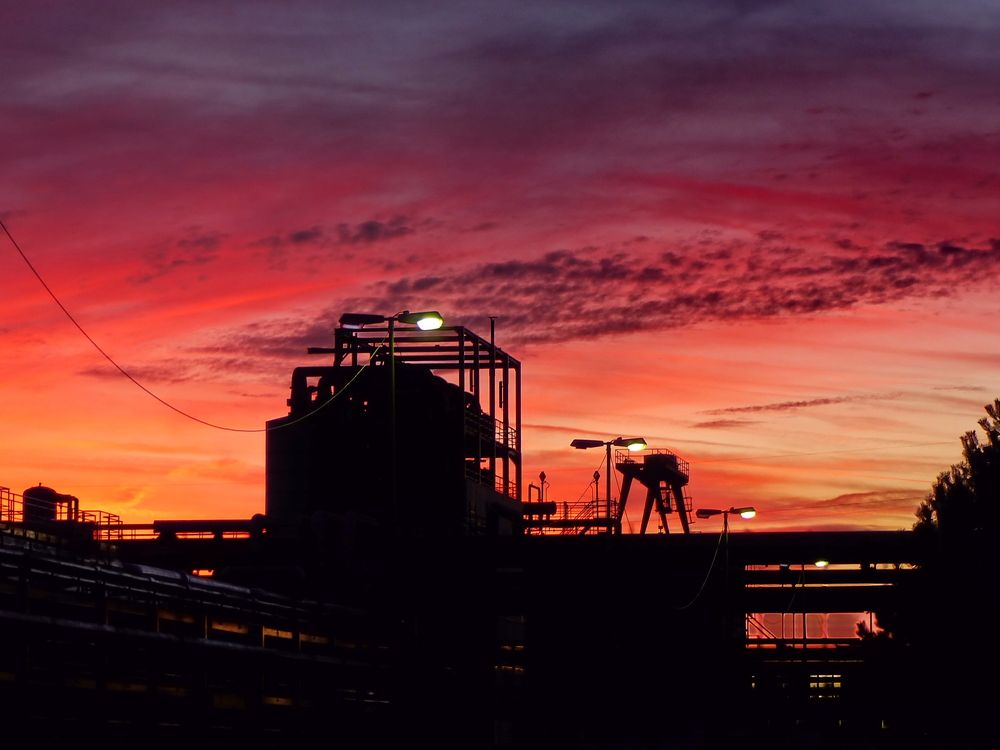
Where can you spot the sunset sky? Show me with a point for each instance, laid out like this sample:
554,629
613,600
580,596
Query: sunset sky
763,235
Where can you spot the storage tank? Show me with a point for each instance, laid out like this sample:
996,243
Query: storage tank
42,504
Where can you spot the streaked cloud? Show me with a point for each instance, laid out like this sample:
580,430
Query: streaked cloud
591,292
723,424
208,186
795,405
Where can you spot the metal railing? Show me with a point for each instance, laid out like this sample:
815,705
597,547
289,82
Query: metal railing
488,429
673,460
510,490
107,526
12,508
100,518
7,509
506,436
581,510
487,477
124,532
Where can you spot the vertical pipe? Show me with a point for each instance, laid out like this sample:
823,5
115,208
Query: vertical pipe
802,601
474,378
505,408
461,357
493,394
608,473
727,605
476,351
517,426
392,423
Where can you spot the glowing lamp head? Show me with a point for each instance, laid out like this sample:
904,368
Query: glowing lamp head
632,443
430,323
746,512
821,563
429,320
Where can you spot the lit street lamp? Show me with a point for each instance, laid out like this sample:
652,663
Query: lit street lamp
747,513
709,512
429,320
633,444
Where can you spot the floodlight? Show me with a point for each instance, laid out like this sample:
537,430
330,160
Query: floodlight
357,320
429,320
633,444
745,512
821,563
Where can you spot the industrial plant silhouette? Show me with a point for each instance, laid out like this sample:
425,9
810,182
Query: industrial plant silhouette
404,588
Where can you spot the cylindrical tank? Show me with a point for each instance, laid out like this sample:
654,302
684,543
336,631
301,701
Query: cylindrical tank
40,503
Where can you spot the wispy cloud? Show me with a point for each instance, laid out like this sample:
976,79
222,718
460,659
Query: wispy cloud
198,249
724,424
317,242
591,292
164,371
794,405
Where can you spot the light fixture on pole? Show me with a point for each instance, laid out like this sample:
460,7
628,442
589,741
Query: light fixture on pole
746,512
426,321
429,320
633,444
709,512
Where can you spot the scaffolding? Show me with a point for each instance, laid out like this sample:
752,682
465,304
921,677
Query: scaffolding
483,371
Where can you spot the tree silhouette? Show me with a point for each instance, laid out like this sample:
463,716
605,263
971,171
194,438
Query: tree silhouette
947,618
964,503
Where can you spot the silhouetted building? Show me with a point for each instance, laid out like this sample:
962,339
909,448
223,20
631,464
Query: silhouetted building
455,467
389,595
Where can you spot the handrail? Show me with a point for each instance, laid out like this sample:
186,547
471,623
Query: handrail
106,526
629,457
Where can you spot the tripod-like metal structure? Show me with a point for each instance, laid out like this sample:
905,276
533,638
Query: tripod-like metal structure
663,475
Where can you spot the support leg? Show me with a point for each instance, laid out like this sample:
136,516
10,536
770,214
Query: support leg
646,510
626,486
678,493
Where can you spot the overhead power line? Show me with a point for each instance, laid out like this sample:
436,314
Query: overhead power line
135,382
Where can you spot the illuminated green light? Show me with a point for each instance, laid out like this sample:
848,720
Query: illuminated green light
821,563
429,324
632,443
426,321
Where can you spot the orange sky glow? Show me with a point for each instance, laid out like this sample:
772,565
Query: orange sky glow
763,236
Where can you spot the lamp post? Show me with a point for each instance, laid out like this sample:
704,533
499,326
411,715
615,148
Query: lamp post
633,444
746,513
429,320
709,512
